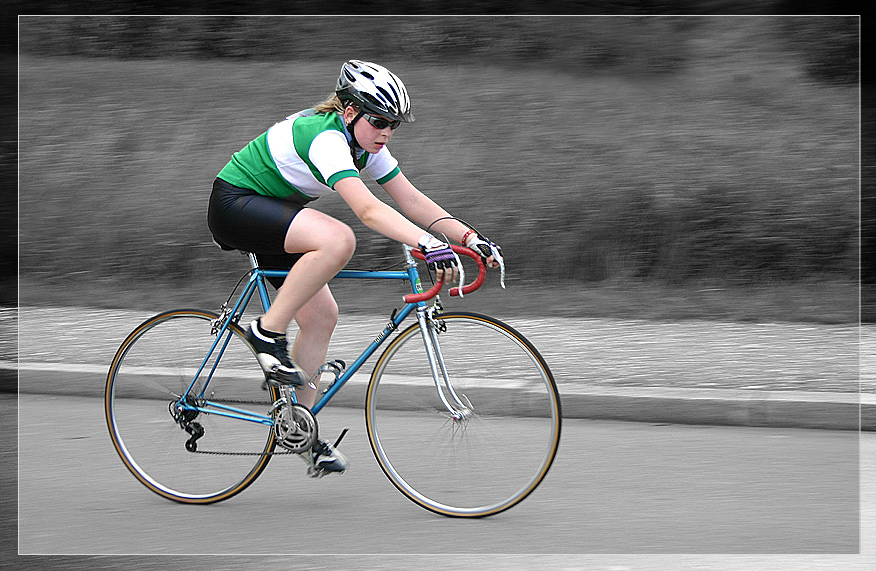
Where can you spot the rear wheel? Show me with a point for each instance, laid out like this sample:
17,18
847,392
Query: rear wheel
167,441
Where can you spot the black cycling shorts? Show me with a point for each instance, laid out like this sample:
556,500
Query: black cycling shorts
243,219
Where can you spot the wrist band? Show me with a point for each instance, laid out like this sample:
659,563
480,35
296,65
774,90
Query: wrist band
465,236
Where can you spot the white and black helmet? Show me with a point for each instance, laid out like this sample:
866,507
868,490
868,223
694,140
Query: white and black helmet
375,89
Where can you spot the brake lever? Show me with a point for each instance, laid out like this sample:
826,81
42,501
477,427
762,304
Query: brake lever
461,273
458,267
497,255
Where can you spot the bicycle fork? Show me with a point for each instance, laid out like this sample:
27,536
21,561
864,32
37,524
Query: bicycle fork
460,408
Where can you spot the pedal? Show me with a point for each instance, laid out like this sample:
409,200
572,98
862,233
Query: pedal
315,472
309,458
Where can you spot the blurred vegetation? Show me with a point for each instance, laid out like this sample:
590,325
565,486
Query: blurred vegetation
680,153
826,46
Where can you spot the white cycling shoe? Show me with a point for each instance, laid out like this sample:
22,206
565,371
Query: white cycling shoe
324,459
273,355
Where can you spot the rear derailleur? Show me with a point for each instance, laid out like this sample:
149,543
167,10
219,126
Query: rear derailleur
185,416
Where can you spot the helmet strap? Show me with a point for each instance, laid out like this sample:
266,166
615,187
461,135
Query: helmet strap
354,144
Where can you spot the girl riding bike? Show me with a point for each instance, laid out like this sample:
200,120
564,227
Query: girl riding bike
259,204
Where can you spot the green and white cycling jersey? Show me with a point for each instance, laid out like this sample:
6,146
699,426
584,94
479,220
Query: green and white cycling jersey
307,154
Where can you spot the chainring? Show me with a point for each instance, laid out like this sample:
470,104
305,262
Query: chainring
295,427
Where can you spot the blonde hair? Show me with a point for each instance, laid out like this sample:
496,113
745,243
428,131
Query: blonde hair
333,105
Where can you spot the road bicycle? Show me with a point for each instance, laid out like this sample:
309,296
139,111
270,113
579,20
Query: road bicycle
461,411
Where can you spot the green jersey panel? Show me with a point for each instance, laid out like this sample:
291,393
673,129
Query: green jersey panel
307,153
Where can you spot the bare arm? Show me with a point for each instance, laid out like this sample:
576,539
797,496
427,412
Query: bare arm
376,214
422,209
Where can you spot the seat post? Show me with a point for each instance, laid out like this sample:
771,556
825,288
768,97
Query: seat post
253,260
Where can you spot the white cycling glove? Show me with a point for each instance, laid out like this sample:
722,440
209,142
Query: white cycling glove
484,247
480,244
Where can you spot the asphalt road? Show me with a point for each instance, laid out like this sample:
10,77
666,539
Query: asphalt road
778,498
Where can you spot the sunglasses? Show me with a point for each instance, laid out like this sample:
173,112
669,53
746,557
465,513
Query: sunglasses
380,122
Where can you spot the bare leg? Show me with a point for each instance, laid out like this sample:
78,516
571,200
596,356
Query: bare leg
328,245
316,323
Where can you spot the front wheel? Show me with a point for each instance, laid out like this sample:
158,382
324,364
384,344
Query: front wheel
489,442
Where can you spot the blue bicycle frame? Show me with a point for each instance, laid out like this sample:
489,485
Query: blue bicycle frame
257,284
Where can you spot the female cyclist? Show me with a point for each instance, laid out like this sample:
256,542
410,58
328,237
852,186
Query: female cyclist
258,205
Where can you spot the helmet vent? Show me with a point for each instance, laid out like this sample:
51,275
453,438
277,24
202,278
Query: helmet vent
386,96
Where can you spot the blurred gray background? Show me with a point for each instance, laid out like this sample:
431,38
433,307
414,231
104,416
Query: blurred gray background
657,167
666,169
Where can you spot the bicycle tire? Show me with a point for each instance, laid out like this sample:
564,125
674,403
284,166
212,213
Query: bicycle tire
152,367
487,462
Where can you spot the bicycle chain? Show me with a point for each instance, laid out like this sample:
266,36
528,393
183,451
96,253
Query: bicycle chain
217,453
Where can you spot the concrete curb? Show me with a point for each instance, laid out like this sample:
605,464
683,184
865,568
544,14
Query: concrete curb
835,411
785,409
